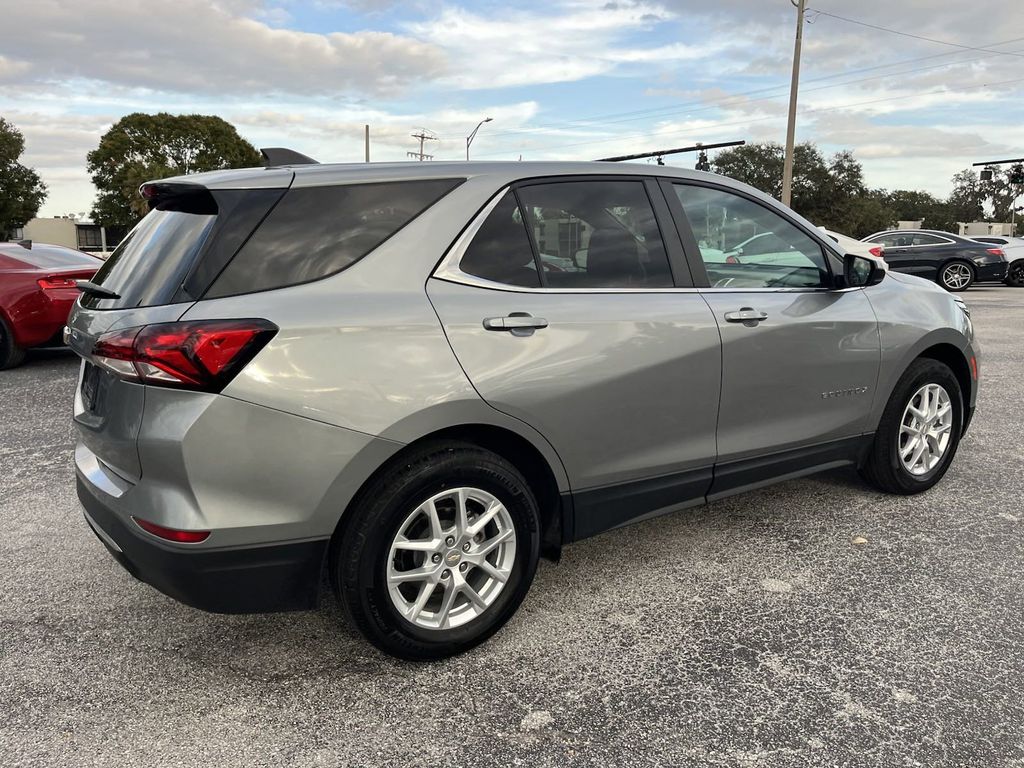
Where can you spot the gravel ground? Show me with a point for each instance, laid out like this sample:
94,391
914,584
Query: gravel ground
751,632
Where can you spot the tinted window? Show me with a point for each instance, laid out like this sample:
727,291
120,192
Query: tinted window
314,232
927,240
501,250
745,245
596,234
154,256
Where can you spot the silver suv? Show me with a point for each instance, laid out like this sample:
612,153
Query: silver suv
415,379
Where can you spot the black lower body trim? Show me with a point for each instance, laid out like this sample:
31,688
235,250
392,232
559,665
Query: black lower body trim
600,509
747,474
258,579
592,511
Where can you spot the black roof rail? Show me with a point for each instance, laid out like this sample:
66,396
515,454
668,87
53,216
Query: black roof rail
273,156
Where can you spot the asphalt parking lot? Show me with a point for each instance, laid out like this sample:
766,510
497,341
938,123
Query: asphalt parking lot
751,632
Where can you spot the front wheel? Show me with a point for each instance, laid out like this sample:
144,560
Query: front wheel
919,431
438,553
1015,274
956,276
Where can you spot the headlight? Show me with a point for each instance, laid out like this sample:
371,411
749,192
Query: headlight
963,305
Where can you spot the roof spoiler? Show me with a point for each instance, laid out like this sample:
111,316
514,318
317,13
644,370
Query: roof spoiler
274,156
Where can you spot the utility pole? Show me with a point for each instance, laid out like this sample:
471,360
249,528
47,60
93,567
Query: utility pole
794,87
366,141
423,135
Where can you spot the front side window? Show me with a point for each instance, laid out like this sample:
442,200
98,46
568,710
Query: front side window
746,245
573,234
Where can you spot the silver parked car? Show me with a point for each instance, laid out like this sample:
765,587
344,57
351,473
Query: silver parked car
418,378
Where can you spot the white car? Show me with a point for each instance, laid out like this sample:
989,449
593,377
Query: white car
858,247
1013,247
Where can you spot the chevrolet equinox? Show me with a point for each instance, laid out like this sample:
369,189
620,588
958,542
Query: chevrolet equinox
413,380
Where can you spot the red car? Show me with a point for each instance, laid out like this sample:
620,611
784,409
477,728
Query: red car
37,289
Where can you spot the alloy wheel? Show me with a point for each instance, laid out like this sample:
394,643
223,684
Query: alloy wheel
956,277
451,558
925,429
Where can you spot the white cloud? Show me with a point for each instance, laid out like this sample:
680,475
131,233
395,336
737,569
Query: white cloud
194,46
563,43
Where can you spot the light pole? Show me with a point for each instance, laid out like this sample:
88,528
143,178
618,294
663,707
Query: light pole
787,167
469,139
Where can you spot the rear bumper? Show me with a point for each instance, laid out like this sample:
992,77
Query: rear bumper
995,272
247,579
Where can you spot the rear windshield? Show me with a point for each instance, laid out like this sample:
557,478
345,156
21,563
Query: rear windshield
314,232
156,254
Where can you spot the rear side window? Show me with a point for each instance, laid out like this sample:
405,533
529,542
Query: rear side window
314,232
501,250
588,234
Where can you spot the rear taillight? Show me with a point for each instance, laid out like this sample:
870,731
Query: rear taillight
995,251
202,355
878,252
171,534
56,283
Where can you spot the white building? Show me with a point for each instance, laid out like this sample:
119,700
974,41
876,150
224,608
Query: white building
973,228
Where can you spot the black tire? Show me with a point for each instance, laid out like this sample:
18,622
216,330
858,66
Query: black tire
11,354
1015,274
883,467
945,275
359,558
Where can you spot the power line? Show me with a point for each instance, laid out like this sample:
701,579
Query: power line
916,37
704,128
673,109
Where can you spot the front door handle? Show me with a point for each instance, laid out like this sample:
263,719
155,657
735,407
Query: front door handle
516,323
747,315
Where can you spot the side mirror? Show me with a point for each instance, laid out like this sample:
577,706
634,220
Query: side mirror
861,271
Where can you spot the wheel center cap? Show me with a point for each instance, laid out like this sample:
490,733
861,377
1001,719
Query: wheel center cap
452,558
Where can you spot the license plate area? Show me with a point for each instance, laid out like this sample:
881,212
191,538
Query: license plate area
91,386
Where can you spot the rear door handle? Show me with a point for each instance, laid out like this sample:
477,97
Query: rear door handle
516,323
747,315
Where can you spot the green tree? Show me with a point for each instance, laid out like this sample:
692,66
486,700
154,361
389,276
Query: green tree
140,147
831,193
967,200
21,189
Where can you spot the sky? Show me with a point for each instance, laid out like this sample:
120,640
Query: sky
561,79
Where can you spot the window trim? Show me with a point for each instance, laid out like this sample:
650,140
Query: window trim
696,261
448,268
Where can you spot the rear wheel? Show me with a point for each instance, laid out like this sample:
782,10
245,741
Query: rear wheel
1015,274
956,276
439,552
919,432
10,353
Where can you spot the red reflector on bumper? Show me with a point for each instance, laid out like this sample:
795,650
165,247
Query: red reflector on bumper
172,534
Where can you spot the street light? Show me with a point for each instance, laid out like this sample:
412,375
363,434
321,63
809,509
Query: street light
469,139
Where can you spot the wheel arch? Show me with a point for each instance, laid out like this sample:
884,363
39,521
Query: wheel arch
546,481
944,346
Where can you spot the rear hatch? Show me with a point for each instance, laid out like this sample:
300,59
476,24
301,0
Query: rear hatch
157,272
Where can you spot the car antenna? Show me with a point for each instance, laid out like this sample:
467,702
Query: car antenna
26,244
275,156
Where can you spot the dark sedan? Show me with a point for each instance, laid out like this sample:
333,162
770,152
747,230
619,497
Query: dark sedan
37,291
956,263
